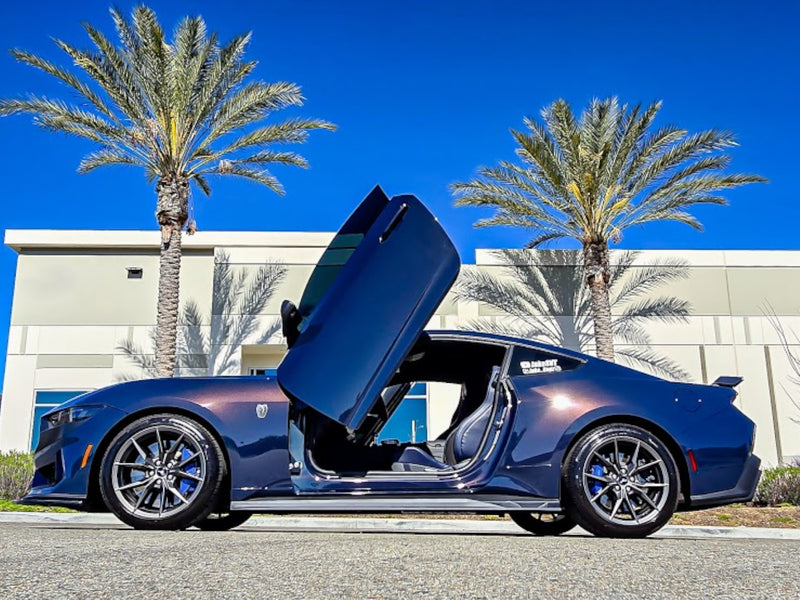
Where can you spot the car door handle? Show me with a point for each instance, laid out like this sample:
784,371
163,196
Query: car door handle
401,212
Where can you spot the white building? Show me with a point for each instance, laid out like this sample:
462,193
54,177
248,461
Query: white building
79,296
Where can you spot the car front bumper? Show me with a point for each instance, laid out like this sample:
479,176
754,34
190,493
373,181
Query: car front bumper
63,460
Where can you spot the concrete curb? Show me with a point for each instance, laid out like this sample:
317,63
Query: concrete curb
388,525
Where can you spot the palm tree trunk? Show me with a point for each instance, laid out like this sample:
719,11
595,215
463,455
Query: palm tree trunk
595,262
172,212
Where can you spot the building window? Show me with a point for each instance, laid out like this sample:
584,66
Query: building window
409,422
45,402
263,372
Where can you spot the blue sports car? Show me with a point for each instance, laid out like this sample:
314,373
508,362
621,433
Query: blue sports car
551,437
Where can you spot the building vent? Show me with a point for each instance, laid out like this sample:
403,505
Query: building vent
134,272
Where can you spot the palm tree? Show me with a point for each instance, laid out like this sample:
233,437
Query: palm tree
591,178
183,111
237,302
543,297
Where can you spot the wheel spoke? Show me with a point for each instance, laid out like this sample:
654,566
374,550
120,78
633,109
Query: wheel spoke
135,484
651,484
187,460
139,449
163,500
635,458
617,505
617,459
174,447
630,506
130,465
600,493
144,494
645,466
602,478
160,444
606,462
185,475
177,494
645,497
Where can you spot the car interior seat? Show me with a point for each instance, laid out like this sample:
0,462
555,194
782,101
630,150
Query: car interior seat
462,443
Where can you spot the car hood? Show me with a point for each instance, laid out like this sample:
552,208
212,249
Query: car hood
373,291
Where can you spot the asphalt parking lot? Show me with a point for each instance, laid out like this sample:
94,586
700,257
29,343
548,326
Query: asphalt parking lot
80,561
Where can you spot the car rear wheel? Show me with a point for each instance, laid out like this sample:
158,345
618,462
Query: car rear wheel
223,521
543,523
620,481
162,472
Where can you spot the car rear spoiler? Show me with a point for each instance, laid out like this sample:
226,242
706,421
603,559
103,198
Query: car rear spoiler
730,381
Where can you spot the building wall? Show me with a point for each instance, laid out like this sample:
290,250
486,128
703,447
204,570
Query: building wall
74,304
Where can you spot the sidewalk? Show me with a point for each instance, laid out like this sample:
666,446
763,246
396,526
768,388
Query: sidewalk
403,525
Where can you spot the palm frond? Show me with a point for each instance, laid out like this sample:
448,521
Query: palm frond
165,104
648,360
590,178
633,281
137,355
107,156
261,176
71,80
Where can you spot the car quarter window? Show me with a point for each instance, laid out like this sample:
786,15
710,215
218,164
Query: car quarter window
531,361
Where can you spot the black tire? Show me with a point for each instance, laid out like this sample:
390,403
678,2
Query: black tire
543,523
223,521
604,492
162,471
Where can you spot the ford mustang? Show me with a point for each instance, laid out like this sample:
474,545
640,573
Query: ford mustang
551,437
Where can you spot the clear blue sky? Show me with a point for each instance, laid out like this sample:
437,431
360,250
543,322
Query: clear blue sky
425,92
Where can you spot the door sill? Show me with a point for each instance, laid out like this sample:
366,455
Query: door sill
407,503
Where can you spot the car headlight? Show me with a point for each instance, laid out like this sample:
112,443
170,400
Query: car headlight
71,415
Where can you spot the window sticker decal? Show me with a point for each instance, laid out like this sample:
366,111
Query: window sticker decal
531,367
532,361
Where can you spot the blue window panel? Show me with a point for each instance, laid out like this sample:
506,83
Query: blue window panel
45,402
409,423
55,398
259,372
418,389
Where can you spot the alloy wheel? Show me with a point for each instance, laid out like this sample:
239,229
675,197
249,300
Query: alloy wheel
625,480
159,471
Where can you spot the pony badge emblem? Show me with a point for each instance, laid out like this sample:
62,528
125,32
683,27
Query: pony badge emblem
262,410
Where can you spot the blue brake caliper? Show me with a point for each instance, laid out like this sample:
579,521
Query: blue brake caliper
596,485
187,485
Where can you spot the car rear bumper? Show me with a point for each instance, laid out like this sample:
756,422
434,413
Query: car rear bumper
744,490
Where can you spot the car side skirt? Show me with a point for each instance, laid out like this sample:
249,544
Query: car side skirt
334,504
62,500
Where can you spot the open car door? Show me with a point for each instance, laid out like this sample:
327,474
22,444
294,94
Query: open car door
370,296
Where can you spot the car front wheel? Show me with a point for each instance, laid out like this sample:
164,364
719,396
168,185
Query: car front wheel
543,523
162,472
223,521
620,481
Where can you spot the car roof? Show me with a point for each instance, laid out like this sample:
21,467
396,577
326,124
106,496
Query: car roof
507,339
